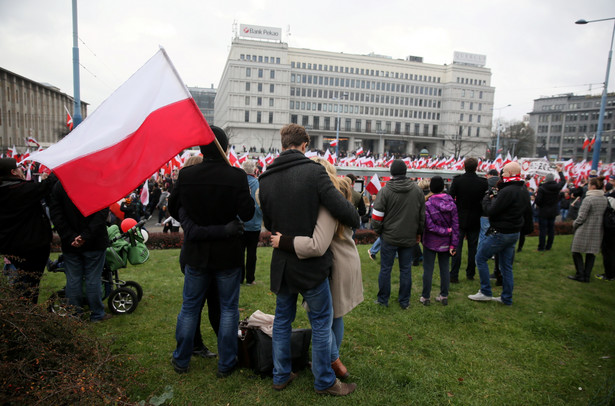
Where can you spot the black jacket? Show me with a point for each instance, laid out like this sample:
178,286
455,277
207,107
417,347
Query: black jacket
468,191
547,197
70,223
24,224
510,209
291,191
212,193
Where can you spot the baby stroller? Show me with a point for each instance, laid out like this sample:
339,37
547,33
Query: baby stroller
126,245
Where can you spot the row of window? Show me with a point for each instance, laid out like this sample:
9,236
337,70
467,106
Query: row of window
260,72
584,128
26,120
578,141
576,106
470,117
366,110
364,84
364,97
363,71
259,101
470,81
259,58
259,116
471,106
585,116
259,87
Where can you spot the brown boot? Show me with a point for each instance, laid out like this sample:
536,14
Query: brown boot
339,388
339,369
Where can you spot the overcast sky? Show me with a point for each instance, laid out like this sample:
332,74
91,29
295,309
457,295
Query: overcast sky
533,47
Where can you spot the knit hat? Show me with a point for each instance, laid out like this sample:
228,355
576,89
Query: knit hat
7,165
398,168
437,184
211,150
549,177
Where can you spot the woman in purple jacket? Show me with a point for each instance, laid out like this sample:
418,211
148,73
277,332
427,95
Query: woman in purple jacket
440,238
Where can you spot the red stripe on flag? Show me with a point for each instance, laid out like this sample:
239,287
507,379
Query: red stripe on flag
120,168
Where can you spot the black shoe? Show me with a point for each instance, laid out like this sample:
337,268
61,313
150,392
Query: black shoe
204,352
492,276
225,374
177,368
470,278
454,280
577,278
498,282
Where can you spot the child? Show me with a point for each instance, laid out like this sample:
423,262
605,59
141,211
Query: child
440,238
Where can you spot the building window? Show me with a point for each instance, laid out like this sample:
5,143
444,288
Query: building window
271,88
259,101
477,131
272,74
247,100
348,124
260,73
305,120
316,122
260,87
271,102
327,122
248,72
258,116
357,125
247,116
293,118
270,117
247,86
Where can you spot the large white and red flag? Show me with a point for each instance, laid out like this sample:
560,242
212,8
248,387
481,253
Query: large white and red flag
144,194
139,128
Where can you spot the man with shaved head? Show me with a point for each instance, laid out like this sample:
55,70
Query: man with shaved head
508,210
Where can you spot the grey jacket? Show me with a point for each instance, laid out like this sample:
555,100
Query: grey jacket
399,212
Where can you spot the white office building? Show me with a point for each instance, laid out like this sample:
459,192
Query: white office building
385,105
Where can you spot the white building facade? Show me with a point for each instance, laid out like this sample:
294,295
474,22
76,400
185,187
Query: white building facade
385,105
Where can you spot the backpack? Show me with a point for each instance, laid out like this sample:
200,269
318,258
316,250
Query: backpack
608,220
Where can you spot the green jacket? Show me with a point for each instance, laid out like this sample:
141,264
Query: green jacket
399,212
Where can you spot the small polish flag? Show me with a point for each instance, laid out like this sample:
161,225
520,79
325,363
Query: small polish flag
232,157
585,142
69,120
591,143
140,127
244,158
31,140
374,186
333,143
359,151
145,194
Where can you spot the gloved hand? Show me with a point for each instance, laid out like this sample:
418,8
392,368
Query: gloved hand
234,228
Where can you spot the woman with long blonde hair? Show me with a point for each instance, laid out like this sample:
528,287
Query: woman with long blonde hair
345,280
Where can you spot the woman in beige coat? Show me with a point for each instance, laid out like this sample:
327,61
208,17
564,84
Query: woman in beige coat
346,280
588,230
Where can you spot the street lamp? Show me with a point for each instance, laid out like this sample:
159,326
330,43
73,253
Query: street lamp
596,155
497,145
337,133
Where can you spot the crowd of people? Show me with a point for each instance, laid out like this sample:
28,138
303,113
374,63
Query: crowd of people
312,214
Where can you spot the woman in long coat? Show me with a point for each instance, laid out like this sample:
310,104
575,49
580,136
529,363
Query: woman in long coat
588,230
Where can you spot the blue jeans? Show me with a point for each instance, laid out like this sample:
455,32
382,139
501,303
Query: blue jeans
197,281
484,226
337,336
546,228
375,247
85,266
321,319
564,213
387,259
504,245
429,260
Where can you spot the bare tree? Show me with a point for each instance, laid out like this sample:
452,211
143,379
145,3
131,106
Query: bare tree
518,139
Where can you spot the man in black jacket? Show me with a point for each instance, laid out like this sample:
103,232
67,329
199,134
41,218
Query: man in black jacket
84,242
25,232
211,193
291,191
508,211
468,191
547,200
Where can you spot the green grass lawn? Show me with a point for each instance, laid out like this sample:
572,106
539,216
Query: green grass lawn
554,346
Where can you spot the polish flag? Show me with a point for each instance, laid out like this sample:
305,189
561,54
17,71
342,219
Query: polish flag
11,152
330,158
585,142
359,151
591,143
145,194
139,128
374,186
333,143
69,120
31,140
244,158
232,157
269,159
262,163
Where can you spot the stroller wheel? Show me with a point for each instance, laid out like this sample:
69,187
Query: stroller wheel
123,301
58,303
135,287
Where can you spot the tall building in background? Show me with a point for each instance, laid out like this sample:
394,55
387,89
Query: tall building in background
383,104
204,98
32,109
562,122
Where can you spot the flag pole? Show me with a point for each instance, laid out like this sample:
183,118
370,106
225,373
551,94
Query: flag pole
76,86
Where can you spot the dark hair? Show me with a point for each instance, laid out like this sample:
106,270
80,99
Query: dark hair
493,172
293,135
352,177
470,164
598,182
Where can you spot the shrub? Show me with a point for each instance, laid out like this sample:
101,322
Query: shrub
47,359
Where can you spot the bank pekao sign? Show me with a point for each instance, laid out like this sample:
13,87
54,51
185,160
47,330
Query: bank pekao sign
257,31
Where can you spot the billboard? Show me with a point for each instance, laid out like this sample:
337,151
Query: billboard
257,31
469,59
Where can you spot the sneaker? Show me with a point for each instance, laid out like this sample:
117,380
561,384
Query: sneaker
204,352
177,368
480,297
499,300
225,374
492,276
371,256
603,277
442,299
424,301
404,306
454,280
338,389
282,386
103,318
380,303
